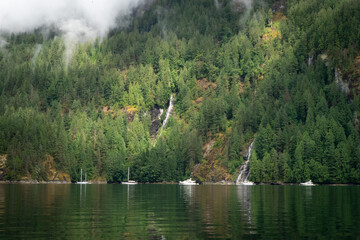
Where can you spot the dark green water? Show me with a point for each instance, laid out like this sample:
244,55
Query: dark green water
178,212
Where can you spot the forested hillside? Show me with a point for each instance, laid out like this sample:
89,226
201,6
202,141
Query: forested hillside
284,73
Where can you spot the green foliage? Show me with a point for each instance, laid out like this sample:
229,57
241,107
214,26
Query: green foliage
227,75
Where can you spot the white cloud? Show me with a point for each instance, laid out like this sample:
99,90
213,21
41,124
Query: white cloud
98,15
248,3
3,43
78,20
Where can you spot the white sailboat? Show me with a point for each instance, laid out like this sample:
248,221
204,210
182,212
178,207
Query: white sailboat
81,181
129,182
188,182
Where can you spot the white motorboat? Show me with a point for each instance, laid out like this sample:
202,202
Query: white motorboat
188,182
247,183
308,183
81,181
129,182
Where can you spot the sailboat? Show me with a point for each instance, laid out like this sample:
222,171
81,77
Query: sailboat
129,182
81,181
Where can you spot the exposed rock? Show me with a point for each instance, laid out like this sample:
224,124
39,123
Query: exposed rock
155,125
207,147
107,110
204,84
3,169
279,11
344,86
198,101
130,112
28,181
279,6
155,114
353,75
356,121
52,174
211,169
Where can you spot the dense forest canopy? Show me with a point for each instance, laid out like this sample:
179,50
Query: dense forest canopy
284,73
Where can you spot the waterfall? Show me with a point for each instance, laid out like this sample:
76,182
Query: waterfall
310,60
343,85
167,116
168,112
36,54
244,169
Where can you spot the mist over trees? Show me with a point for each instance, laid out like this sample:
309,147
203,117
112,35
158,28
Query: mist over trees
284,73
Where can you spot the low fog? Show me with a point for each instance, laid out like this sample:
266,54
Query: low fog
78,20
95,17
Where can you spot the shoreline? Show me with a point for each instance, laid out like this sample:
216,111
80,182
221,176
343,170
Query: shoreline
33,182
221,183
46,182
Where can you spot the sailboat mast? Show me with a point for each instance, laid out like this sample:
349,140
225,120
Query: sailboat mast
128,173
81,175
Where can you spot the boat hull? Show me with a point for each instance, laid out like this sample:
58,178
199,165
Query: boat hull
129,183
188,184
82,183
306,184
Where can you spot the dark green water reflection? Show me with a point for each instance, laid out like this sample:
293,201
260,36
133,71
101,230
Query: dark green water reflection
179,212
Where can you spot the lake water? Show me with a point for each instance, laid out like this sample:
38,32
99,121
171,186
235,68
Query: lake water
51,211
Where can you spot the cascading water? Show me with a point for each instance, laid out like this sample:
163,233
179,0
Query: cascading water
168,112
310,60
244,169
167,116
36,54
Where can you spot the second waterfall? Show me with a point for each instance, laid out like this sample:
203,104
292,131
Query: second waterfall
242,179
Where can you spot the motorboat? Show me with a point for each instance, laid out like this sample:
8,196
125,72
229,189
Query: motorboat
188,182
129,182
308,183
247,183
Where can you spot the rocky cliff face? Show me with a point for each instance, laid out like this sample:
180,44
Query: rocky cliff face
52,174
2,166
211,168
48,166
156,114
343,85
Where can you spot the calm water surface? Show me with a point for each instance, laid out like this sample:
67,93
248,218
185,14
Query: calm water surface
178,212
